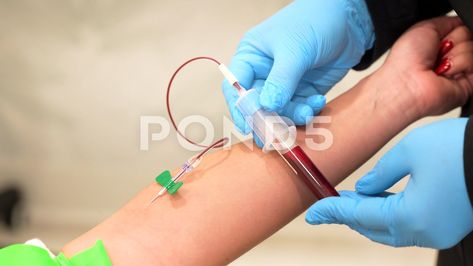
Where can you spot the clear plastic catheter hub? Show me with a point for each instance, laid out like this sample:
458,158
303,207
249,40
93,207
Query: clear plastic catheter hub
274,131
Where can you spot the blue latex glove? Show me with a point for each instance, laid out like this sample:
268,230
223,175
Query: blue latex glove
300,53
434,209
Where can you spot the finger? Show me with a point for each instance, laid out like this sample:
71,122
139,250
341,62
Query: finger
247,65
250,64
443,25
258,141
459,60
443,67
461,48
316,102
299,113
352,195
298,110
456,42
355,195
231,96
445,47
332,210
281,82
257,85
379,236
244,72
457,36
459,64
392,167
243,69
355,210
320,79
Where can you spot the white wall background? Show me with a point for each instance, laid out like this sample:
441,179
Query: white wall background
75,77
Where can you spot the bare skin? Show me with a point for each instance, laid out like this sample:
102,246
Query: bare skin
237,198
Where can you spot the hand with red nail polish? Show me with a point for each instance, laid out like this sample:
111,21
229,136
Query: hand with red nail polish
444,65
445,47
456,54
434,60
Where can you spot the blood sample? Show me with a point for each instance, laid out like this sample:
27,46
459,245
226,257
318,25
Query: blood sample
275,133
308,172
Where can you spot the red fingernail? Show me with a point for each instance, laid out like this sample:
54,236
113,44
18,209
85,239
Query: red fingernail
445,47
443,67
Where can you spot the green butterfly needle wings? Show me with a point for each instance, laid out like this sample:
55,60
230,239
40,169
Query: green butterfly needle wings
165,180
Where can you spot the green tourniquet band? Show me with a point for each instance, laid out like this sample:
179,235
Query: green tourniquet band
28,255
25,255
93,256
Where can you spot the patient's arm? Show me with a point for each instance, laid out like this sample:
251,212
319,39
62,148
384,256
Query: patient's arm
237,198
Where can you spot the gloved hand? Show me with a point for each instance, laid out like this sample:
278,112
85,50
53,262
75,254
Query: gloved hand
434,209
300,52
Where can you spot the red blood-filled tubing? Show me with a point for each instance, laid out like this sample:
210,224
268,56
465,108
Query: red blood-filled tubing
309,173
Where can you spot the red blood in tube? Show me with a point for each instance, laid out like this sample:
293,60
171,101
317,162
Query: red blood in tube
309,173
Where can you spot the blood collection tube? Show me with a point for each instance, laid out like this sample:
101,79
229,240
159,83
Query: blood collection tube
279,134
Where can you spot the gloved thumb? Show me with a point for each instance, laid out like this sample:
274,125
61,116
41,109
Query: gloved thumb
353,209
281,83
258,141
331,210
391,168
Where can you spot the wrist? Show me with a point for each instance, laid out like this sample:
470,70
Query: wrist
391,92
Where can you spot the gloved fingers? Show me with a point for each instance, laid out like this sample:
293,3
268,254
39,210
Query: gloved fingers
258,141
282,81
352,209
231,96
391,168
353,195
260,63
357,196
372,212
299,113
243,69
316,102
379,236
320,79
247,65
257,86
245,74
332,210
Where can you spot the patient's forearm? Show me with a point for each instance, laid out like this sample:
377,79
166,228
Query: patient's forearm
363,120
237,198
